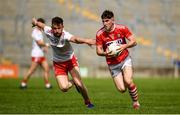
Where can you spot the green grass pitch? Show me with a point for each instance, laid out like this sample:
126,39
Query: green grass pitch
157,96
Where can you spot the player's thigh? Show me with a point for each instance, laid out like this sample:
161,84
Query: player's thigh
75,73
119,82
128,74
62,81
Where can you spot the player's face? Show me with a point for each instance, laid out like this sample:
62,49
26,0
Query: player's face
108,24
57,30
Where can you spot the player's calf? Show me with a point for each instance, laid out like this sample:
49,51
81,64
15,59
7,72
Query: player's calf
134,95
133,92
77,88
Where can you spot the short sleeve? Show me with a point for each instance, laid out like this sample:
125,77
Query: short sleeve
127,32
67,35
98,40
47,30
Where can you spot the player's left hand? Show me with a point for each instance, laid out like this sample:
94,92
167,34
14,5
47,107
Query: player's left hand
122,47
109,54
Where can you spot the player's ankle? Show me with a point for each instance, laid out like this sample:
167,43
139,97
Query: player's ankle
86,102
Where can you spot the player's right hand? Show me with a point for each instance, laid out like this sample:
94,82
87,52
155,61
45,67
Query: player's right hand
34,21
109,54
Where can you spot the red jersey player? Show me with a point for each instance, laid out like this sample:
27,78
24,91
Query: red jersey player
120,66
64,59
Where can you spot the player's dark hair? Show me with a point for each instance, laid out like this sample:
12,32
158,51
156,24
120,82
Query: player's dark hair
41,20
107,14
57,21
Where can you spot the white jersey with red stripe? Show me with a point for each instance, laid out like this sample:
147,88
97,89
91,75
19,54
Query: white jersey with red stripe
36,49
62,49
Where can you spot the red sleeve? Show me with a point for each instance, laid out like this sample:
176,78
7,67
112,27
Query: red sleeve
98,40
127,32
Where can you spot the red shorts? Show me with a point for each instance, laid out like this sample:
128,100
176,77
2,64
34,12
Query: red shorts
38,59
62,68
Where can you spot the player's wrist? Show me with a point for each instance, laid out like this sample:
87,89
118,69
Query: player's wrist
105,53
34,21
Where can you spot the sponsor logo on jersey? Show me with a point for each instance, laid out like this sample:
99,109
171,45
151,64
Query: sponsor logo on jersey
118,42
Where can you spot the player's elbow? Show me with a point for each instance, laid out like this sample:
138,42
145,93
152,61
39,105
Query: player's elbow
64,89
134,43
98,53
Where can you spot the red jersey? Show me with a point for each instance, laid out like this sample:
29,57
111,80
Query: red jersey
119,35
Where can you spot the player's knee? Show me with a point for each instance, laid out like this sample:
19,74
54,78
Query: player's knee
129,82
122,90
64,89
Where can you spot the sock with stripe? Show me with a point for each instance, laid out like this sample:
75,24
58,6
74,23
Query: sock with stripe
133,93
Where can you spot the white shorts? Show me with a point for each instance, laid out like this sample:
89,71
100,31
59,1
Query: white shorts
115,69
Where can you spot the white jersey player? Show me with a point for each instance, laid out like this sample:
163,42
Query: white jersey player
36,35
37,56
64,60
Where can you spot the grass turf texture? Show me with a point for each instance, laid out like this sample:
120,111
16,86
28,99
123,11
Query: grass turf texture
156,96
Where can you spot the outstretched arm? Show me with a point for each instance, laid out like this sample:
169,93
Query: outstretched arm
79,40
39,24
